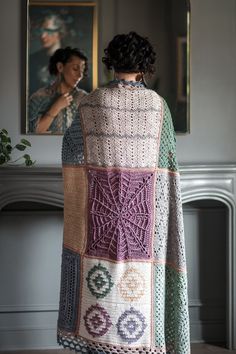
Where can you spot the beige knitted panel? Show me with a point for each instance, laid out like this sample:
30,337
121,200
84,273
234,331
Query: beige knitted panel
75,207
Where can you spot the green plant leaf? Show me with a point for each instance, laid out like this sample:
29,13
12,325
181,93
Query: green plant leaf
4,138
5,150
29,162
20,147
27,157
9,148
25,142
2,159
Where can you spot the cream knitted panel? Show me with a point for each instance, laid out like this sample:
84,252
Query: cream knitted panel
105,123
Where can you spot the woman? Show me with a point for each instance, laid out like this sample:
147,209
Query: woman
53,108
124,282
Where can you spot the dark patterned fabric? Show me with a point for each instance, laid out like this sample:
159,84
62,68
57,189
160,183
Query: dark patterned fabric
69,294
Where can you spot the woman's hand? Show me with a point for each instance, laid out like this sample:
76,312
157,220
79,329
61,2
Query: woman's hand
62,102
44,122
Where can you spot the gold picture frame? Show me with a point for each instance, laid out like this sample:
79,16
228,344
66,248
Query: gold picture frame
78,26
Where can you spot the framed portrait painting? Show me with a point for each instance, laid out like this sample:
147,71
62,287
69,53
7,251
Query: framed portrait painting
53,25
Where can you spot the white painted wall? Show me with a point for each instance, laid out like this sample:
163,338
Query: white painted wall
213,78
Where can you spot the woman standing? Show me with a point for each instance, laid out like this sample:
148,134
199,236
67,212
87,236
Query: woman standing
124,281
53,108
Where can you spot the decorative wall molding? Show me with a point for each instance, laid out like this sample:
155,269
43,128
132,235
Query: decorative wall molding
199,303
29,308
43,184
217,182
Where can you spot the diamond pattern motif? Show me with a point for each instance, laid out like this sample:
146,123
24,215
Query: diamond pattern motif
99,281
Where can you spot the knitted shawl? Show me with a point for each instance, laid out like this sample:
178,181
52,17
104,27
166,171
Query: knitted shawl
123,273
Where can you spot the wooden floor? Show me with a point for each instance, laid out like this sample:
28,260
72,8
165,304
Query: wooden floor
196,349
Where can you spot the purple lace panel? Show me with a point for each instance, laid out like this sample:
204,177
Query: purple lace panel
120,214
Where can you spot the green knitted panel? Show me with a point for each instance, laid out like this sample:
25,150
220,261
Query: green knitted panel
159,305
171,300
167,153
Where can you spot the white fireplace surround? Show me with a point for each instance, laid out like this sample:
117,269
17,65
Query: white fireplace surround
43,184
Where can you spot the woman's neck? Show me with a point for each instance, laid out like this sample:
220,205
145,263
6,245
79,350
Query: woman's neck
128,76
64,88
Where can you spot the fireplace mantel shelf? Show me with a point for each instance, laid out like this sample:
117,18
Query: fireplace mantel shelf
45,182
57,169
197,181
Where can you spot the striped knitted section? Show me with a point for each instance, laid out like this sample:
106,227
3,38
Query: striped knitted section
113,138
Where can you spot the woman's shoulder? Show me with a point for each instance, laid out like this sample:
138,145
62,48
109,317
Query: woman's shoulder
46,91
107,93
81,92
150,96
152,92
92,96
157,98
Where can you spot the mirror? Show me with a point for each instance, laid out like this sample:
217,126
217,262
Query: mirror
166,23
172,74
52,25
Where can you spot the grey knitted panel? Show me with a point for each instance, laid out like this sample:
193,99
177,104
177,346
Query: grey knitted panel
69,292
73,144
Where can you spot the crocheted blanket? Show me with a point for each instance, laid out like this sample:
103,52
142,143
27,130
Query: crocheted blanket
123,275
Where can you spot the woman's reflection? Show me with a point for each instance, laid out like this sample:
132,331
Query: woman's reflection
53,108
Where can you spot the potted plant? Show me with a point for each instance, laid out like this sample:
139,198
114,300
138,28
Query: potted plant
6,150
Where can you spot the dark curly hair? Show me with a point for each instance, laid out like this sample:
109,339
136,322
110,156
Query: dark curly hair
63,55
130,53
